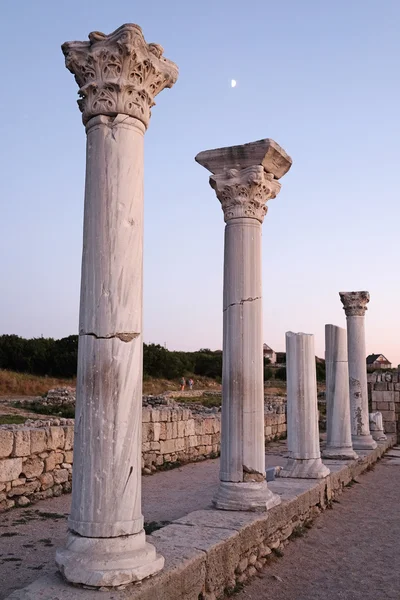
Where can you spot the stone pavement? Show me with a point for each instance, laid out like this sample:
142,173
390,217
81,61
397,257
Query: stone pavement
29,536
351,553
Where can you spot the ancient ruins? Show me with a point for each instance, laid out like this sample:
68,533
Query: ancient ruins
207,552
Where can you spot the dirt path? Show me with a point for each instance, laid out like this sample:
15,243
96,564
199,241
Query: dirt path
29,536
351,553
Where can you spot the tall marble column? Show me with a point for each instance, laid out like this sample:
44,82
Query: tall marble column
338,430
302,410
118,76
355,305
244,179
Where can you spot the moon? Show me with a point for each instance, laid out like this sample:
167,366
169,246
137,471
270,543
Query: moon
233,83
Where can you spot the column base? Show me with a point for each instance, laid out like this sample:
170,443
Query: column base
108,561
379,436
307,468
340,453
363,442
249,496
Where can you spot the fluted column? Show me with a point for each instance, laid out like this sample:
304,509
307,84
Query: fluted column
244,179
118,75
302,410
338,430
355,305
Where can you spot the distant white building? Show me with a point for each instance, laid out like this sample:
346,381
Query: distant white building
269,353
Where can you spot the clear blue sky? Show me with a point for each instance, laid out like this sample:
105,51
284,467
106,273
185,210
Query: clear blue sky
320,78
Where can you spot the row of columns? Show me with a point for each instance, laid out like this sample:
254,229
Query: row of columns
118,76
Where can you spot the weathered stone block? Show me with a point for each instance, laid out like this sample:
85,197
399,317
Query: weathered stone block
155,446
156,431
24,490
390,426
147,432
32,467
146,414
155,415
388,415
46,481
10,468
22,442
380,386
181,428
163,431
388,397
55,458
55,438
69,456
6,443
19,481
60,475
38,441
69,437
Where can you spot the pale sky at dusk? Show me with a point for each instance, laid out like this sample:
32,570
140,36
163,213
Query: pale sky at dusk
319,78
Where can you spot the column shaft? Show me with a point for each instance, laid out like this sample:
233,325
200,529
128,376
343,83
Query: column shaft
302,409
109,383
338,439
362,439
242,449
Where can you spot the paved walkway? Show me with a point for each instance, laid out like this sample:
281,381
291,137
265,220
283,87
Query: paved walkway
351,553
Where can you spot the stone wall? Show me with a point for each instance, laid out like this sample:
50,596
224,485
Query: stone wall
36,458
178,435
384,396
35,463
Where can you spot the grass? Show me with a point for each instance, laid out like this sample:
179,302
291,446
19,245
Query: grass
277,552
208,400
298,532
12,419
23,384
68,412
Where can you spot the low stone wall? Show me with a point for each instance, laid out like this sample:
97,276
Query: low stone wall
36,458
34,464
178,435
209,552
384,396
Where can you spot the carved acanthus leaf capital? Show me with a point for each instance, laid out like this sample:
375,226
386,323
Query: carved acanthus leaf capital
354,303
118,73
245,192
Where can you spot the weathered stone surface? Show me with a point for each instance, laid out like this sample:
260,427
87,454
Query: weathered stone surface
46,481
22,442
38,441
6,443
60,475
32,467
55,438
10,468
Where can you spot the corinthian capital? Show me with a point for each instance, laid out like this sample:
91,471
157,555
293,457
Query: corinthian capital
118,73
246,177
354,303
245,193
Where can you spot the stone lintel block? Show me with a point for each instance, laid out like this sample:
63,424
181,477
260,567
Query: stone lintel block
22,442
10,468
266,153
6,443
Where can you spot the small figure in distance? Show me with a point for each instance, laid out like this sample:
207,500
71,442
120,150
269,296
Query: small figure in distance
191,382
182,383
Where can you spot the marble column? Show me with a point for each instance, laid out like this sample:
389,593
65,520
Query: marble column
118,76
244,179
376,426
302,410
355,305
338,430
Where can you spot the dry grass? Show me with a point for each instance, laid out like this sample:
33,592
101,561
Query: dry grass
152,385
22,384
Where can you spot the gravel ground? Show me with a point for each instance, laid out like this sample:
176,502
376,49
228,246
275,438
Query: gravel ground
29,536
351,553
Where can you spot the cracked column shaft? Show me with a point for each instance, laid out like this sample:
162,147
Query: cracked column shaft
355,305
244,179
106,544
